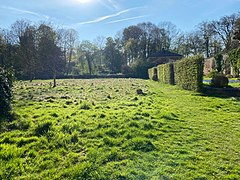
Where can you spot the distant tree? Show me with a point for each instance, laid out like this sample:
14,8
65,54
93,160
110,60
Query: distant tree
234,58
237,30
195,42
171,33
132,39
3,47
225,29
27,52
113,56
207,32
100,42
87,52
219,62
49,54
18,29
72,37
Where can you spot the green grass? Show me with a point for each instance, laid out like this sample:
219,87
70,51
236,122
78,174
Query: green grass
101,129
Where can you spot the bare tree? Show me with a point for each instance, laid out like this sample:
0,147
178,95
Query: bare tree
100,42
225,29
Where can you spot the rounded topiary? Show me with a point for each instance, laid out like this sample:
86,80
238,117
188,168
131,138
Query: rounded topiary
6,78
219,80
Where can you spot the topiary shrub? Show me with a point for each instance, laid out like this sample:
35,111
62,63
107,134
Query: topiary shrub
219,80
6,80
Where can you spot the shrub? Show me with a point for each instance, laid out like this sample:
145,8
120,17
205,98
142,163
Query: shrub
212,74
219,80
6,80
140,69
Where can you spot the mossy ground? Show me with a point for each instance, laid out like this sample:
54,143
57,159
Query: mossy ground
101,129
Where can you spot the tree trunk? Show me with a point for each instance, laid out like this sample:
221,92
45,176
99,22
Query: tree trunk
54,80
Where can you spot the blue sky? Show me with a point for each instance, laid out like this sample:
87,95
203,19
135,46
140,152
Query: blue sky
92,18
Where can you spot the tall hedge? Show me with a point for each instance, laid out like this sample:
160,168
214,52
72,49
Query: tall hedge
6,77
186,73
166,73
189,73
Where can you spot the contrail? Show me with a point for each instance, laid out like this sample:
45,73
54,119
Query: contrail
107,17
25,12
126,19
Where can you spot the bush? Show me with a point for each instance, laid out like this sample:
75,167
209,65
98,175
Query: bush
140,69
219,80
212,74
6,80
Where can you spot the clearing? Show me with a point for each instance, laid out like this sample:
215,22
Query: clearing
101,129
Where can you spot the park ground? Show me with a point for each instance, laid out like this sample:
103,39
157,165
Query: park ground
103,129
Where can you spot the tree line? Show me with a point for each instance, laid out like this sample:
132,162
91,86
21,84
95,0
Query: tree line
44,50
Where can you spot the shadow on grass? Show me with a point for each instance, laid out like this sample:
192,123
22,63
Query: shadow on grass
220,92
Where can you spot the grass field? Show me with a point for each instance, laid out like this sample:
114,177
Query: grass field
102,129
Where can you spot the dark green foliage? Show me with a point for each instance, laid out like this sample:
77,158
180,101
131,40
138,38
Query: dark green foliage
219,80
212,74
140,69
219,62
234,58
166,73
6,80
189,73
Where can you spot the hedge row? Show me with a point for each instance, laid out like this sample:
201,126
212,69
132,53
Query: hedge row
189,73
186,73
152,74
166,73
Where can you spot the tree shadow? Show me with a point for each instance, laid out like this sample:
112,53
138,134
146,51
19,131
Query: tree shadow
227,92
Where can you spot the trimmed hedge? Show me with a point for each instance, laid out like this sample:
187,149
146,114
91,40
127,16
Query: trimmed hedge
189,73
152,74
166,73
186,73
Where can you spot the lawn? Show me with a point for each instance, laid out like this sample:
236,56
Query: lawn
103,129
